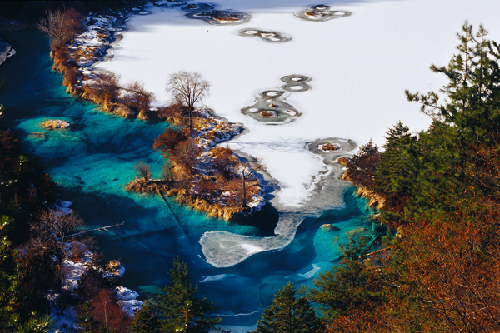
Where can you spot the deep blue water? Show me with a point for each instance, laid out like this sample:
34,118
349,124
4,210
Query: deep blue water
93,161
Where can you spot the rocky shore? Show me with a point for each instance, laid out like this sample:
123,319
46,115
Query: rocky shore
209,130
75,63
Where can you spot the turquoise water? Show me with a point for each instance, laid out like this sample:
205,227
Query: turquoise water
93,161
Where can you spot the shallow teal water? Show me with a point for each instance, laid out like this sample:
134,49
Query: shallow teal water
93,161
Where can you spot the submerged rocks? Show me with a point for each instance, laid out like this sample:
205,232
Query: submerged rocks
42,136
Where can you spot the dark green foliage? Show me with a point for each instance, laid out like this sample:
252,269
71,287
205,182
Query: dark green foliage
24,187
349,286
289,314
12,318
178,307
86,320
145,321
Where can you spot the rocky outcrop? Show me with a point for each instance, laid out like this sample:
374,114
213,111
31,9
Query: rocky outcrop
56,124
374,200
329,227
143,115
213,209
124,111
343,160
6,51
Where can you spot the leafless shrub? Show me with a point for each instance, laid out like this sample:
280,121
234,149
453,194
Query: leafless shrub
188,88
104,89
60,26
55,226
143,170
137,96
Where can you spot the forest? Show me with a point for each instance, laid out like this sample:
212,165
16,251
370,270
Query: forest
437,270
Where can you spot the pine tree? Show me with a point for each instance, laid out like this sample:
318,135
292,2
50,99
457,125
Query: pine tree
11,321
145,321
86,319
363,165
350,285
289,314
178,307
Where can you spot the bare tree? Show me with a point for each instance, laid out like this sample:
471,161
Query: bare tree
52,225
60,26
186,153
105,87
189,88
143,170
138,97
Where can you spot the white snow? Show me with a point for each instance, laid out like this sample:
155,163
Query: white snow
251,248
127,300
359,65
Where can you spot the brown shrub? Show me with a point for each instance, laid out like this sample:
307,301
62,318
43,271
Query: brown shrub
70,77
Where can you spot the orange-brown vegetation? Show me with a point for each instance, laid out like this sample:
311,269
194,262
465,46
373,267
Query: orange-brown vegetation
61,26
209,179
267,114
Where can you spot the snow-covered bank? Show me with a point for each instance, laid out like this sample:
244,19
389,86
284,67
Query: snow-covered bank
6,51
359,65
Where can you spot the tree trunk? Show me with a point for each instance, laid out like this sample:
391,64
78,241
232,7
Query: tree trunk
244,190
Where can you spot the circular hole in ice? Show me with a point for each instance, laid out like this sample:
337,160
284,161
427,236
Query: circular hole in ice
267,34
272,93
273,39
251,32
296,79
253,110
296,87
339,13
291,113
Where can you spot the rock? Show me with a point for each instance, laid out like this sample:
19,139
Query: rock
374,200
6,51
143,115
124,111
346,177
55,124
330,146
329,227
343,160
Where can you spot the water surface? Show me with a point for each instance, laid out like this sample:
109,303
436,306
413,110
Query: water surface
93,161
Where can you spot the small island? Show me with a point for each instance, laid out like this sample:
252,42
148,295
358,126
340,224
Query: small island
56,124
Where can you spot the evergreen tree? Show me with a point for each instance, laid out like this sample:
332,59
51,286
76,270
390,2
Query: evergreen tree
289,314
145,321
86,319
363,165
11,320
350,285
178,307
